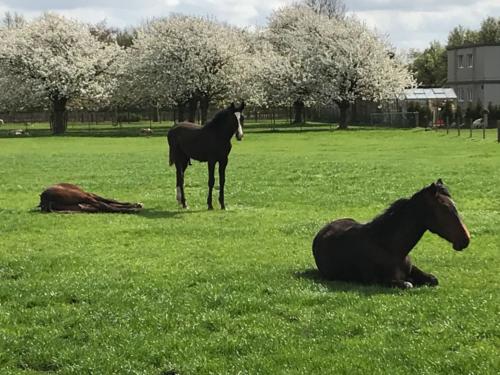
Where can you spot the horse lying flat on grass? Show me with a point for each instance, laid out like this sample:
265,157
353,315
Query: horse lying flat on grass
66,197
19,132
377,252
209,143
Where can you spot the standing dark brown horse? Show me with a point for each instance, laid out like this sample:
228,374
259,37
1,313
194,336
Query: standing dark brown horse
64,197
209,143
377,252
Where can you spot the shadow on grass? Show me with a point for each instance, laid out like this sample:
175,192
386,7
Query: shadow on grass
149,213
313,275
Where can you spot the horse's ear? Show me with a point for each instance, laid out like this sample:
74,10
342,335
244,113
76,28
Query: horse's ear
242,105
439,182
432,188
232,106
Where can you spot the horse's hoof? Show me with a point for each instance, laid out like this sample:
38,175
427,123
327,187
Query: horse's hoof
210,208
407,285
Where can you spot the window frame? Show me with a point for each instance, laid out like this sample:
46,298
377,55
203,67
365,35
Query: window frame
470,60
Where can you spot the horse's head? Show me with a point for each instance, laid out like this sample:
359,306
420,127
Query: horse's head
443,218
237,112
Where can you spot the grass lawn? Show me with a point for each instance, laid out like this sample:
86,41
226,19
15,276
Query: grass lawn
236,291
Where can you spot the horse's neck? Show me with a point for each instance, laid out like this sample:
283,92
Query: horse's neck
222,132
401,230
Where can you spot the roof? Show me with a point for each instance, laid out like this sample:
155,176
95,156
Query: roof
472,45
428,94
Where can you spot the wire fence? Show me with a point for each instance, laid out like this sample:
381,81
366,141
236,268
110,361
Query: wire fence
395,119
484,129
154,122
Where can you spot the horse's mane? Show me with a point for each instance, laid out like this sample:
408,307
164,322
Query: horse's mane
216,119
391,213
401,206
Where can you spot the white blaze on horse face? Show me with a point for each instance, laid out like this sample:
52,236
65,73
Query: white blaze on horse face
239,132
178,195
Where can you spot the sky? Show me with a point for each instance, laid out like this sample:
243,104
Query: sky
407,24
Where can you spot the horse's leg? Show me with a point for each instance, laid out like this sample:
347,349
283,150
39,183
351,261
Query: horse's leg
184,167
402,284
107,200
65,208
126,206
419,277
90,204
178,175
180,167
211,182
222,181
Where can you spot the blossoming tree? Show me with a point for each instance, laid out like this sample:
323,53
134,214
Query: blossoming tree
354,63
325,60
287,76
60,61
184,60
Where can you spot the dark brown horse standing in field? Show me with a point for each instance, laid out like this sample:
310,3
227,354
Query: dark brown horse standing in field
210,143
64,197
377,252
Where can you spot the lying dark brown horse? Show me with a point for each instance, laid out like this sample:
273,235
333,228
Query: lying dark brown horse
377,252
66,197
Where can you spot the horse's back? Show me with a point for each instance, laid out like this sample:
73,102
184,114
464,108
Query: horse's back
182,128
191,141
337,248
64,193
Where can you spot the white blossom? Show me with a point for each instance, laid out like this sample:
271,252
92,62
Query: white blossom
56,59
318,59
177,57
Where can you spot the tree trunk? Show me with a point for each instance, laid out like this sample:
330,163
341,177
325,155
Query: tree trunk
180,112
59,118
298,109
344,114
156,113
191,107
204,103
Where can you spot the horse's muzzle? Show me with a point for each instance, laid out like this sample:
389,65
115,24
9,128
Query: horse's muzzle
462,244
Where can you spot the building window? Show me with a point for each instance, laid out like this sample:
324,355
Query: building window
469,95
460,61
460,94
470,60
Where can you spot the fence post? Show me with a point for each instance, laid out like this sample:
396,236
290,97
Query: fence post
498,131
485,122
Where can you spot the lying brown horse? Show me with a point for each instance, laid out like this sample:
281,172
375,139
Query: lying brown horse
377,252
66,197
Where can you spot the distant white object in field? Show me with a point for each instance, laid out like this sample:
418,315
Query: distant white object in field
146,131
477,123
1,122
18,132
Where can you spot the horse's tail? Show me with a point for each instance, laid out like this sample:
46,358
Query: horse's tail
171,148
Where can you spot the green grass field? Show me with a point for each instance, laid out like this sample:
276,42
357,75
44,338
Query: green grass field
236,291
